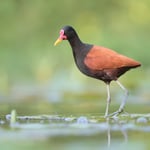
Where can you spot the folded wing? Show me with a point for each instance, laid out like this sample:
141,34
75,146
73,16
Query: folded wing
100,58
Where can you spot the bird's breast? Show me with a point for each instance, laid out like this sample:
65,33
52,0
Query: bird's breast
79,61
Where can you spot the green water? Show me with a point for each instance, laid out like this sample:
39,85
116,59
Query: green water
74,130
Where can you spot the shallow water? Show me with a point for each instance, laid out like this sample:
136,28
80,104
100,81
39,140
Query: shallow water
71,132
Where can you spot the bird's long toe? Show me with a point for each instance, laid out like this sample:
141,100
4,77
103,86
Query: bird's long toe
116,113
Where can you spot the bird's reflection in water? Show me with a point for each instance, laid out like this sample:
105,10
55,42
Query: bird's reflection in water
112,127
108,133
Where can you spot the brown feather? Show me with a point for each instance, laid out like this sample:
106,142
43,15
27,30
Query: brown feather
100,58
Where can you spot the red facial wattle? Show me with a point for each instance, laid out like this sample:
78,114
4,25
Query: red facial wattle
62,36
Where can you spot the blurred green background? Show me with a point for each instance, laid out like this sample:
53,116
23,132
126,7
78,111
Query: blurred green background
32,69
37,78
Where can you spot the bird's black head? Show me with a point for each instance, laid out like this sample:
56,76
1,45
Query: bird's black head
69,31
66,33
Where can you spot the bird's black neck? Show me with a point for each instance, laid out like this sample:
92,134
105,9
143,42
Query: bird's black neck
75,42
77,45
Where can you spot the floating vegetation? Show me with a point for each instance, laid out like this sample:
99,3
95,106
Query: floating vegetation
76,128
123,121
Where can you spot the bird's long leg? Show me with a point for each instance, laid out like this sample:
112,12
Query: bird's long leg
108,100
121,108
125,98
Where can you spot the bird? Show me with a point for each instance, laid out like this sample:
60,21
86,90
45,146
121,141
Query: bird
99,62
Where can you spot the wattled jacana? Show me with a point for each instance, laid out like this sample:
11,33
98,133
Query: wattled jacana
98,62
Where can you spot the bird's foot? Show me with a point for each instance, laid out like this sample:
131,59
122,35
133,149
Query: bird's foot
116,113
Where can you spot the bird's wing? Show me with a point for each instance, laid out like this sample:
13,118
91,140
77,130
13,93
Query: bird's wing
100,58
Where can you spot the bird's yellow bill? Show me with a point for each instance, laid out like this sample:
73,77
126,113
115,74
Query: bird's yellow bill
57,41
